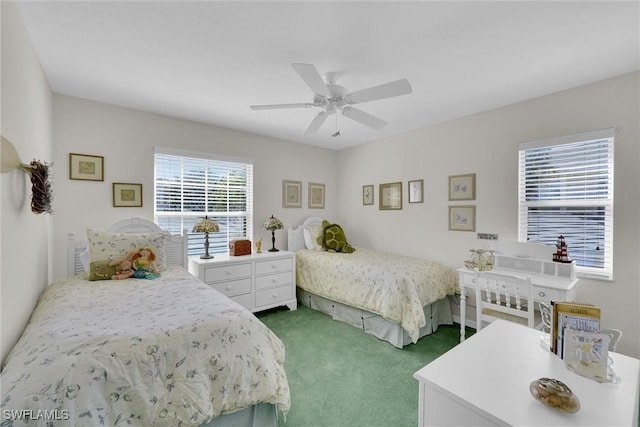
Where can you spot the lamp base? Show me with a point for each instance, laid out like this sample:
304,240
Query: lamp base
274,250
206,256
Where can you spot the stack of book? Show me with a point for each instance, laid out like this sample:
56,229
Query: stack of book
580,317
575,338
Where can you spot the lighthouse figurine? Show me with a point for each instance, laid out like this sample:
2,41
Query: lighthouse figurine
561,254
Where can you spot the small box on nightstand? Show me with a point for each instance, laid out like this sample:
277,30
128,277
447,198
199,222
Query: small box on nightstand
240,247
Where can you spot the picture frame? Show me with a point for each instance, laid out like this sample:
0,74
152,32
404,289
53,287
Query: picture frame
390,196
291,194
462,187
127,195
367,194
415,190
316,195
462,218
86,167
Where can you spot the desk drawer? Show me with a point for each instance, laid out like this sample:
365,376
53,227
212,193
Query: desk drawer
233,287
272,280
227,272
274,296
274,266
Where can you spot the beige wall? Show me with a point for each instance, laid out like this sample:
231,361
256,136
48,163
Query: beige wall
487,144
26,121
126,138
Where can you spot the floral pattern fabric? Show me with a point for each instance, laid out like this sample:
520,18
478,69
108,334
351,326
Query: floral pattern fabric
392,286
164,352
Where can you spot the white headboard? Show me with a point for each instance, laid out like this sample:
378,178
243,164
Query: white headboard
296,235
175,249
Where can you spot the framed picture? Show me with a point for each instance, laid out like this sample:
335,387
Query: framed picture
462,218
291,194
390,196
367,194
127,195
462,187
416,192
86,167
316,195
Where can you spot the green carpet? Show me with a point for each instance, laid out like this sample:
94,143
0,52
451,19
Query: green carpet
340,376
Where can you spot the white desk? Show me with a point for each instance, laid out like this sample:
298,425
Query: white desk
546,288
485,381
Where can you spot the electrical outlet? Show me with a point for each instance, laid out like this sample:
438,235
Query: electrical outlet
487,236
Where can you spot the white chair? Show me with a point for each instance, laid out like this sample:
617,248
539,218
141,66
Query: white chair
505,297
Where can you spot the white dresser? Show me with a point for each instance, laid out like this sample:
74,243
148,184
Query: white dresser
257,281
485,382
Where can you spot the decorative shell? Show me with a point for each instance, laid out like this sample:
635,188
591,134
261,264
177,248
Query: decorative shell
555,394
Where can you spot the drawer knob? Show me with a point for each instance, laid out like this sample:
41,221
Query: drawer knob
229,287
542,294
228,272
473,280
274,280
274,296
274,266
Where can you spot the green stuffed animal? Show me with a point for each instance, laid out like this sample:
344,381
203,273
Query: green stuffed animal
334,239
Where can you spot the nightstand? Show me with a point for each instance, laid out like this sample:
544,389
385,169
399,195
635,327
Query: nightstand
257,282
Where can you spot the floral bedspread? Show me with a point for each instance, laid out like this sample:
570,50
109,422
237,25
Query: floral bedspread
393,286
165,352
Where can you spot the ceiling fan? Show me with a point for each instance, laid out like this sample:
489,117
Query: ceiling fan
332,97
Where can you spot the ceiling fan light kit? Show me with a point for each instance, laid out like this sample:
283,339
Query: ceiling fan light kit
332,98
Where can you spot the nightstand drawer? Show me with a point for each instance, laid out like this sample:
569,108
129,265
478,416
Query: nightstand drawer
227,272
272,280
274,266
233,287
274,296
245,300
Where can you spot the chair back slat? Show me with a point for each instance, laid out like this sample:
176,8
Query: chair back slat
503,296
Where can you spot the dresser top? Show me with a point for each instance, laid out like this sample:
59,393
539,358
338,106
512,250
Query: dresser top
264,256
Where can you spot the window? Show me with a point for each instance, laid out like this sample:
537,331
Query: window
566,188
190,185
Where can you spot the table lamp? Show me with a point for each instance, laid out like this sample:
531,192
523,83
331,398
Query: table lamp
273,224
206,226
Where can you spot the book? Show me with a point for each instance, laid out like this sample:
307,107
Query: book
580,317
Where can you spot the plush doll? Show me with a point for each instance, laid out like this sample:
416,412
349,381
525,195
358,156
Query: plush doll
143,262
124,271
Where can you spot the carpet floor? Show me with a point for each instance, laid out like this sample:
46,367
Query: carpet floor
340,376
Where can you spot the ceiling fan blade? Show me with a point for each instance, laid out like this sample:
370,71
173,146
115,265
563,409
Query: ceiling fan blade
363,118
317,122
277,106
312,78
387,90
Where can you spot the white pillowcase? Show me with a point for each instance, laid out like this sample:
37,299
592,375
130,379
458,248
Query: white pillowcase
104,246
311,235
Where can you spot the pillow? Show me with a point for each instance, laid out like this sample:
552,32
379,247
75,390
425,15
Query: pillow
101,270
105,246
334,239
313,235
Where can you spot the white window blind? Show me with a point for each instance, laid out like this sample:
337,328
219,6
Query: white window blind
190,185
566,188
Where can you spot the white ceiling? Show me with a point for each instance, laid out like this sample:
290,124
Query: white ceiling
208,61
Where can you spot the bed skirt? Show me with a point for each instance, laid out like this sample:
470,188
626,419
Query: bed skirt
436,314
260,415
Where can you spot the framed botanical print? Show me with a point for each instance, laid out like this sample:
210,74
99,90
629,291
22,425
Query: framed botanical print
462,187
462,218
416,191
291,194
127,195
367,194
86,167
316,195
390,197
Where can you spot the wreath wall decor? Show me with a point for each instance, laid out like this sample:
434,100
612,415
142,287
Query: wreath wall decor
41,193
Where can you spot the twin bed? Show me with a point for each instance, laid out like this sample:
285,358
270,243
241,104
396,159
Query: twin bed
396,298
164,352
172,351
